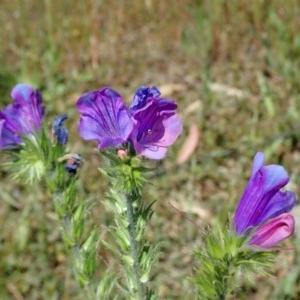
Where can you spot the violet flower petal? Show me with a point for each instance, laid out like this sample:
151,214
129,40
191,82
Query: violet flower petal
281,202
141,95
104,118
21,93
17,119
265,182
156,127
8,139
274,231
258,163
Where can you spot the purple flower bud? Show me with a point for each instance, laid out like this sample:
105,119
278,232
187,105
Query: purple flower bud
60,132
104,118
23,117
263,205
274,231
73,162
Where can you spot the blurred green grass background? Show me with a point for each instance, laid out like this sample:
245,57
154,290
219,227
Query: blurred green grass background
234,69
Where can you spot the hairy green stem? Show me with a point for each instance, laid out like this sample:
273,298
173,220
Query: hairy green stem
75,250
223,278
134,248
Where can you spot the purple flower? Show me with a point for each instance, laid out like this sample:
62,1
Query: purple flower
263,208
26,113
104,118
22,117
156,127
151,124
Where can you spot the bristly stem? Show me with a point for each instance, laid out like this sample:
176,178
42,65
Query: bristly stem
134,247
71,220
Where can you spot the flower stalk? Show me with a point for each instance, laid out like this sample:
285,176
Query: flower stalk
62,185
134,247
131,217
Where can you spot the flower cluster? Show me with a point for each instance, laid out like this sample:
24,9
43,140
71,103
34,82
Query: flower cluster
263,212
149,125
21,118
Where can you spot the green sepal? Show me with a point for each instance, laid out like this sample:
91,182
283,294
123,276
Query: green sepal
126,175
106,286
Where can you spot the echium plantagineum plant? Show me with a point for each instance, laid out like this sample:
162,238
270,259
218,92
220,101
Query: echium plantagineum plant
128,137
261,221
125,135
40,154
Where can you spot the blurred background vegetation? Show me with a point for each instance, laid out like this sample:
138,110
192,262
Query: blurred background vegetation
234,69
